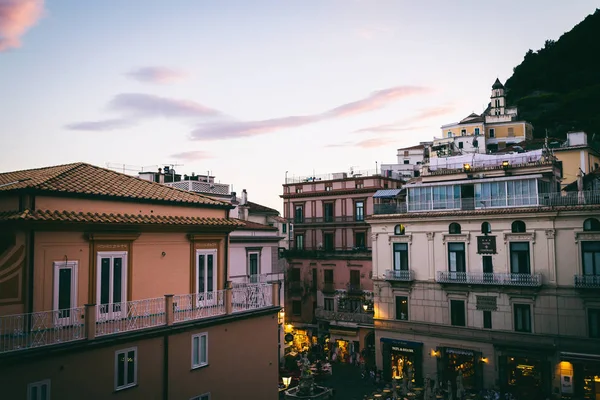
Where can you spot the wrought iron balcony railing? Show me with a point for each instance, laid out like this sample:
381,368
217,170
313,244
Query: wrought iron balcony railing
395,275
587,281
327,253
355,288
328,287
342,316
482,278
270,277
329,220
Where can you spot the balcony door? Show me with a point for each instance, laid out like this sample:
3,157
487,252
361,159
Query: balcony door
206,277
65,292
111,289
253,269
456,260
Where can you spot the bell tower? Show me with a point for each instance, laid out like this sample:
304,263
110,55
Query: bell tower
498,102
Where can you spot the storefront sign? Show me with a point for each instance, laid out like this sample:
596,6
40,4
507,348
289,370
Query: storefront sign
461,352
487,303
402,349
486,244
566,383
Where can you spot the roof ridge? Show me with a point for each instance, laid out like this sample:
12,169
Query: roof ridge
43,168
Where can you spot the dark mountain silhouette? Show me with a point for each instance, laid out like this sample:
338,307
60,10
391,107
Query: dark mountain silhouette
558,87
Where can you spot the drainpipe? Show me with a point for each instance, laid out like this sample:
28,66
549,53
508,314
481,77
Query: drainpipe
226,260
31,262
166,367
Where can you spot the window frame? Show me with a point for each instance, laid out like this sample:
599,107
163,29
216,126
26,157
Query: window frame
39,385
299,216
485,314
595,267
400,251
464,312
200,363
356,235
361,217
328,304
328,238
522,306
111,312
486,228
510,257
400,230
458,264
328,216
135,368
492,132
400,298
452,227
301,241
249,264
74,267
515,226
593,223
591,311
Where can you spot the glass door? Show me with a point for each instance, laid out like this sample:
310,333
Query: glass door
111,290
65,292
206,277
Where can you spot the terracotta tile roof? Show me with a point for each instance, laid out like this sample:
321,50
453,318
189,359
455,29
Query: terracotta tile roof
87,179
103,218
257,208
254,226
278,219
416,147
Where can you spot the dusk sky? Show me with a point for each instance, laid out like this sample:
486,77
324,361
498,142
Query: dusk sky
250,89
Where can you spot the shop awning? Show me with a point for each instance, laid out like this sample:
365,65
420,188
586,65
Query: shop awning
386,193
567,356
404,343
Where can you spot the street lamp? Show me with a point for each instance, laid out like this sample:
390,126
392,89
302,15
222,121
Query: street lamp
365,306
286,381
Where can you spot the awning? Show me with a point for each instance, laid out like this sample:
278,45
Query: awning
568,356
386,193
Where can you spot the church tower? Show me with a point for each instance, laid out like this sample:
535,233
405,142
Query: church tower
498,103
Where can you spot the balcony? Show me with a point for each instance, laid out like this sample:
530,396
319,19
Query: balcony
341,175
491,279
399,276
295,288
343,316
587,281
568,199
355,288
271,277
48,328
357,252
328,287
328,220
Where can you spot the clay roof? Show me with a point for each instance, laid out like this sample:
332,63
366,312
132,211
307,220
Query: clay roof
103,218
417,147
254,226
257,208
86,179
278,218
471,118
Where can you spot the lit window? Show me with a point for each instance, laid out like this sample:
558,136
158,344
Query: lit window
399,229
125,368
199,350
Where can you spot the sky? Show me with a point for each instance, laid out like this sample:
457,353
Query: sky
252,89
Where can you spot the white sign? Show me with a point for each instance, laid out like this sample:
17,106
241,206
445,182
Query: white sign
566,384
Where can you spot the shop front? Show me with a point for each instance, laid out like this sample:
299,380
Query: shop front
454,362
345,345
525,373
579,375
400,358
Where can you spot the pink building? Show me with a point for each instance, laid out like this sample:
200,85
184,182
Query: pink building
329,286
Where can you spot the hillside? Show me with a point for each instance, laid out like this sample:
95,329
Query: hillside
558,87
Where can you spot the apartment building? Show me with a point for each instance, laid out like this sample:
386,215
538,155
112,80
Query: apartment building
112,286
329,285
491,273
410,160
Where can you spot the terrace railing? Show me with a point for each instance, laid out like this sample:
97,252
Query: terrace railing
188,307
344,316
482,278
252,297
394,275
587,281
129,316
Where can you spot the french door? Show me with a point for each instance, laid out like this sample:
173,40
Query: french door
206,277
111,289
65,292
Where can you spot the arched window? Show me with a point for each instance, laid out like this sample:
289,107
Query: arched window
399,229
486,228
591,224
454,228
518,227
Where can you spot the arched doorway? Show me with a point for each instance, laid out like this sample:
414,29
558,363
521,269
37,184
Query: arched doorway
369,349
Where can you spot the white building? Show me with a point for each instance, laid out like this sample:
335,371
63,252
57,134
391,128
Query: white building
410,160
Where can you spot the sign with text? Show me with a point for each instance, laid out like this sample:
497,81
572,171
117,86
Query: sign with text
486,244
487,303
402,349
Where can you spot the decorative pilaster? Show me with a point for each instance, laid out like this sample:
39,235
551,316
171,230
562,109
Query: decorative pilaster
551,243
430,255
374,256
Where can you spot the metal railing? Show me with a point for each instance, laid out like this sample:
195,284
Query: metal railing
44,328
322,253
542,200
492,278
587,281
327,220
343,316
355,288
328,287
242,280
252,297
341,175
489,164
129,316
188,307
395,275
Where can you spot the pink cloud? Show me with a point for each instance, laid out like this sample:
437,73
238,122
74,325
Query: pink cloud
160,75
16,17
404,125
365,144
236,129
147,105
100,126
192,155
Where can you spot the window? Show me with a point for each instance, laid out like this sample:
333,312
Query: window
125,368
297,307
299,214
590,255
300,242
511,132
594,323
518,227
206,276
295,275
456,259
328,187
487,320
298,189
359,211
360,240
354,277
402,308
591,224
400,256
457,313
328,241
328,303
111,289
205,396
406,162
476,131
519,258
253,267
522,314
488,265
328,275
199,350
39,390
399,230
463,132
492,133
328,212
486,228
454,228
314,279
284,228
65,291
460,145
359,184
449,134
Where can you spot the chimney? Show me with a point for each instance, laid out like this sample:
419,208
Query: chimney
161,177
233,197
244,198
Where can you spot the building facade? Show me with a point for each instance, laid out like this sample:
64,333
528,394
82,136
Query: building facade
490,273
410,160
328,280
112,286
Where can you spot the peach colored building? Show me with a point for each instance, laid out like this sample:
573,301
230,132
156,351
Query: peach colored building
329,275
111,286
